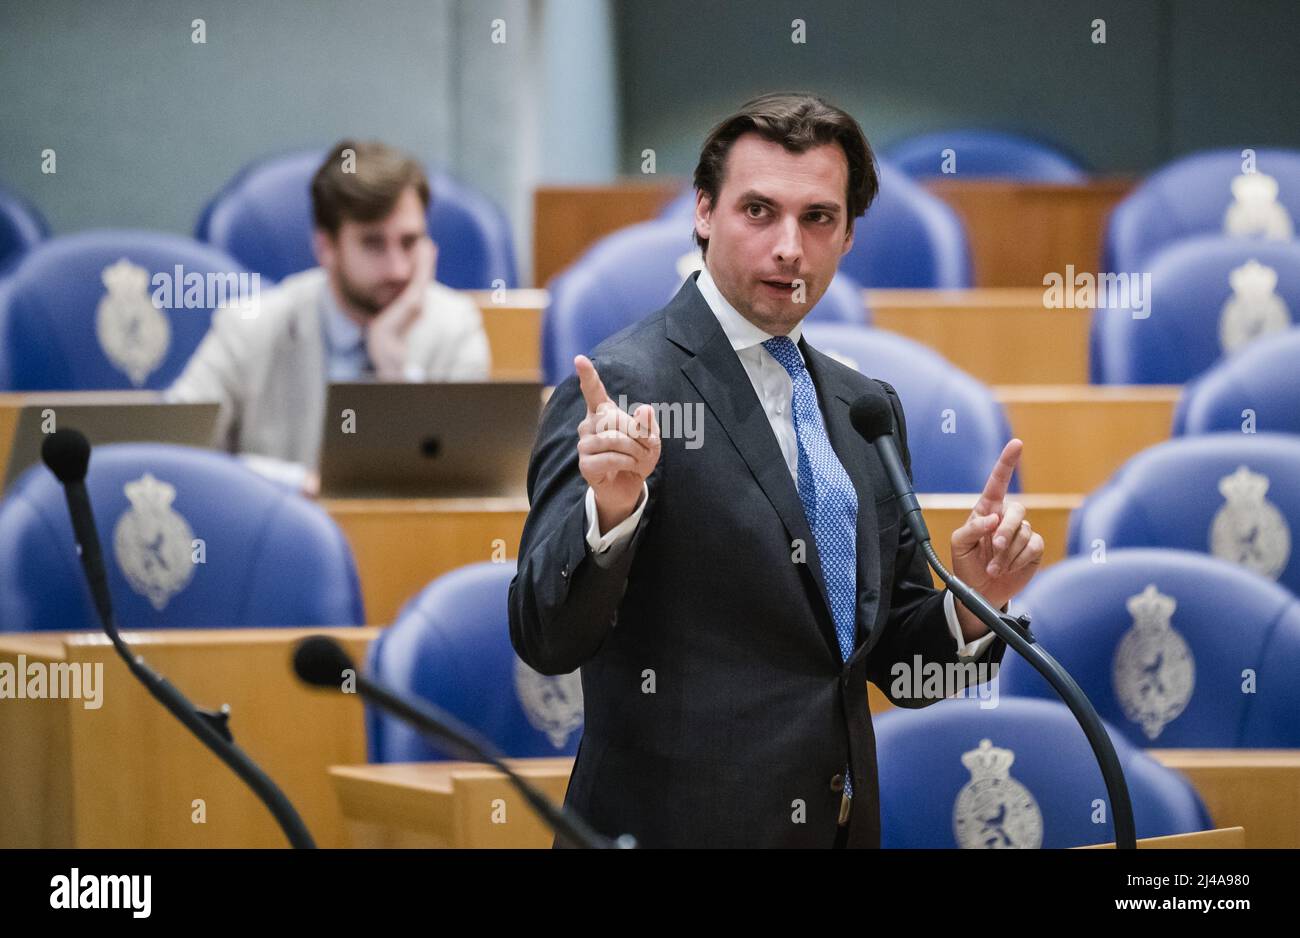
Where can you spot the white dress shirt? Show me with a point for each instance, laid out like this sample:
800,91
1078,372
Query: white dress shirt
775,390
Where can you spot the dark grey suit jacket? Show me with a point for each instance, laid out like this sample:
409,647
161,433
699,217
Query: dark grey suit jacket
718,711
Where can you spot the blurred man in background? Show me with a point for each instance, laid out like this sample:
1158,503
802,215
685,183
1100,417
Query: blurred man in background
370,310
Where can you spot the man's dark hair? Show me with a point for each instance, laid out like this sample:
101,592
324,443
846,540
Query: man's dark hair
362,181
798,122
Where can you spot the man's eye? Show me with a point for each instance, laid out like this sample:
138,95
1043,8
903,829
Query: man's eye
754,210
819,218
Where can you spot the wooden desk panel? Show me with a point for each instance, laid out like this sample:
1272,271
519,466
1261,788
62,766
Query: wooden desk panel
513,322
128,773
1002,336
1076,437
1020,231
1223,838
1258,789
569,219
402,545
35,754
446,804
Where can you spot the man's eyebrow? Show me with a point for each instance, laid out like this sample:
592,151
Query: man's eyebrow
753,195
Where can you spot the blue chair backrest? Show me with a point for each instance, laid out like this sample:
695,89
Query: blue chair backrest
628,275
984,153
955,427
21,229
191,538
1228,494
1174,649
1192,196
907,239
451,646
1209,297
1257,389
85,312
1018,775
263,217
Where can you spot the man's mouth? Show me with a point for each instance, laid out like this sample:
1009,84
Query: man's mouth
781,286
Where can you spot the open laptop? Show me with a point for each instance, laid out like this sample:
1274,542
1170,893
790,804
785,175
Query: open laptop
408,440
104,417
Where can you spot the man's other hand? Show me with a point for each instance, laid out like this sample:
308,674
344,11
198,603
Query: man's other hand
996,551
617,451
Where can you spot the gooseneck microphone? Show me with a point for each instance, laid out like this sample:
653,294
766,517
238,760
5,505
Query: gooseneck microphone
67,454
322,662
872,416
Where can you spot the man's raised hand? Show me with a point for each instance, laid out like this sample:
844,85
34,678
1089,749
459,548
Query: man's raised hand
617,451
996,551
386,334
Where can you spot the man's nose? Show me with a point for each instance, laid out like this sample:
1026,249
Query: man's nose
397,265
789,242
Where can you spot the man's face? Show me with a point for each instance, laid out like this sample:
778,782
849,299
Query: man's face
369,263
779,217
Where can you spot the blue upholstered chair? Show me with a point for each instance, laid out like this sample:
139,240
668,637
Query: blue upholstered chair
191,538
85,313
1233,495
1018,775
21,229
1175,649
984,153
451,645
1209,297
1192,196
263,218
1256,389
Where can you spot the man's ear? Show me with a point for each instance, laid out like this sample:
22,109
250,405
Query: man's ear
325,248
703,213
848,240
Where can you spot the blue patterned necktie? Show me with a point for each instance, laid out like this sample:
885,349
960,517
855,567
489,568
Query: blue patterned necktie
829,500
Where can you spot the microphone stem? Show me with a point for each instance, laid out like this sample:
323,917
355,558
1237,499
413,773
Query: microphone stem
445,728
168,695
1015,634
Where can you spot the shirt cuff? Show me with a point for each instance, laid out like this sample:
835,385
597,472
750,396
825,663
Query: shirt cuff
607,547
964,649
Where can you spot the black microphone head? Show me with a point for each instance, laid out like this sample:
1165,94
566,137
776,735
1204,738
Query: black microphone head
67,453
321,661
871,414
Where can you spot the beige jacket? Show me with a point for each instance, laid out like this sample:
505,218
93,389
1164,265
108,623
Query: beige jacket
266,364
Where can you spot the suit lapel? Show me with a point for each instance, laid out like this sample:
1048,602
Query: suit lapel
721,380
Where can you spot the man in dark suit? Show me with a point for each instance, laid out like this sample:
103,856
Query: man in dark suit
729,593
